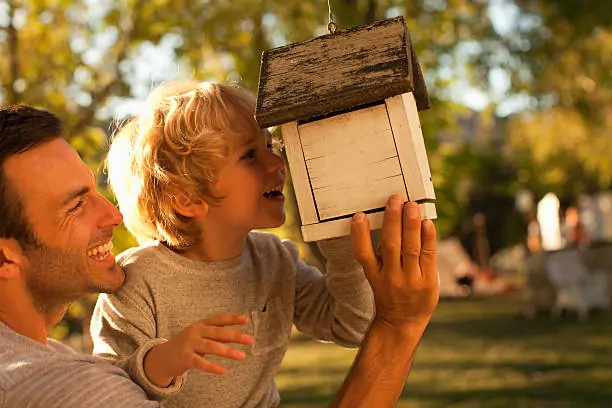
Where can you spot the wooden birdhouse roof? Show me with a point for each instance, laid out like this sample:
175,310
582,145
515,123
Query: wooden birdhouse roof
338,72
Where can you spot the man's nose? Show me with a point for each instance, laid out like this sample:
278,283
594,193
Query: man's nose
110,215
276,163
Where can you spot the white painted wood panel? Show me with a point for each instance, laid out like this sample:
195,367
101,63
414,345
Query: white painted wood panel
339,201
406,126
337,228
428,211
299,174
342,227
352,162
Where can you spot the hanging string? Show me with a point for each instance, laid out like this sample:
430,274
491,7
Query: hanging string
331,26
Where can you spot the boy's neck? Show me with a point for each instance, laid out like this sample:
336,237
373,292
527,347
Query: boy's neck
216,248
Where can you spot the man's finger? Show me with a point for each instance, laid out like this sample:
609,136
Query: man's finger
362,244
427,259
226,335
391,235
411,242
225,319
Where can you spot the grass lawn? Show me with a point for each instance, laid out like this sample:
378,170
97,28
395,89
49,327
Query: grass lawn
476,353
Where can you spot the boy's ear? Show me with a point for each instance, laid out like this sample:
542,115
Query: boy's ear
12,260
189,206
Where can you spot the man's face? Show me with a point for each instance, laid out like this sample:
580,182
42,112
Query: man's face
73,225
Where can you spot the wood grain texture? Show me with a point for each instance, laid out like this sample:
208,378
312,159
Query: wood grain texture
342,227
337,228
352,162
299,174
338,72
428,211
406,126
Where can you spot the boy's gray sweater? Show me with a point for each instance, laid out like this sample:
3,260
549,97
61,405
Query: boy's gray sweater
165,292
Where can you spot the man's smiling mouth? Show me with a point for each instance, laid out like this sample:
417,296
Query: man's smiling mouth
100,252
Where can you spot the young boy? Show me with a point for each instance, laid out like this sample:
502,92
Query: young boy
194,176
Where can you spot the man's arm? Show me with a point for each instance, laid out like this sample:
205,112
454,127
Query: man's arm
381,367
405,285
76,382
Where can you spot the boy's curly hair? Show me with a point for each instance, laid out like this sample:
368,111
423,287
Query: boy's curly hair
176,147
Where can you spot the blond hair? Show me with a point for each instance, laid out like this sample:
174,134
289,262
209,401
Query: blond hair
176,148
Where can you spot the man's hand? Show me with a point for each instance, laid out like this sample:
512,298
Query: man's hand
404,278
188,348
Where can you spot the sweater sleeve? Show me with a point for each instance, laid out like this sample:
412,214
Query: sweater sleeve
123,330
337,306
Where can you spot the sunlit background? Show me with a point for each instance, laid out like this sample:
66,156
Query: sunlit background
519,140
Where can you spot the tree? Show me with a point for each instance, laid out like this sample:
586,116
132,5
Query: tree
561,55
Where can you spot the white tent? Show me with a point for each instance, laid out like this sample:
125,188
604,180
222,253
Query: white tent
453,262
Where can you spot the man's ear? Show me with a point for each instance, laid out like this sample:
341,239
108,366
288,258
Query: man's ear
189,206
12,260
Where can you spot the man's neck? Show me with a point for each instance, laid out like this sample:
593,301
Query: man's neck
20,314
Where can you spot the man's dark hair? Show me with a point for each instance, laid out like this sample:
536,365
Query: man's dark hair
22,128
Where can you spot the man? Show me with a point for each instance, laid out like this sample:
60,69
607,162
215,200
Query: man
55,234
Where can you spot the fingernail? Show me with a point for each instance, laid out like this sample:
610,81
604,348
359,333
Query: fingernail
247,338
241,354
396,202
413,211
359,218
430,227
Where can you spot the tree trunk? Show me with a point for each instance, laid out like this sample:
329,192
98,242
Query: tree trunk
86,114
13,48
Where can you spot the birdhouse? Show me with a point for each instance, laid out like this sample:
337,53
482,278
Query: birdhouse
347,104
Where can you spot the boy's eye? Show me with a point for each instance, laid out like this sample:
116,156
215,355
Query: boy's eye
270,147
249,155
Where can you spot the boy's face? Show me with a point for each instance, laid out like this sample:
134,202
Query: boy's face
251,184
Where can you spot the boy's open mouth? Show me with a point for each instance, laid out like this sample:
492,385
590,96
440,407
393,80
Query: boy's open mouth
275,192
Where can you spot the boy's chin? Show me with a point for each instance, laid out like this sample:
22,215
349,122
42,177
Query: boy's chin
274,223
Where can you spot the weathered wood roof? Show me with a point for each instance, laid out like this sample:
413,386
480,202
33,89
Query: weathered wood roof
337,72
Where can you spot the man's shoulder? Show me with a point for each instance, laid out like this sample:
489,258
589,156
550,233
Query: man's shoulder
56,377
19,364
59,347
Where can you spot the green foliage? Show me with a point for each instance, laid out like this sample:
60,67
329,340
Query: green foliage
78,58
563,58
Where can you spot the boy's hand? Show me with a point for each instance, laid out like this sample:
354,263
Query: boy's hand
189,347
404,279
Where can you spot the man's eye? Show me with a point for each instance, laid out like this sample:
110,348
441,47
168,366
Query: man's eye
249,155
76,207
275,146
